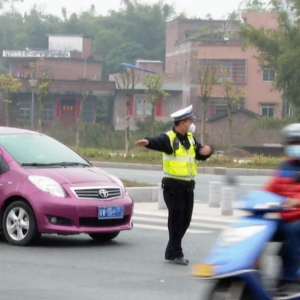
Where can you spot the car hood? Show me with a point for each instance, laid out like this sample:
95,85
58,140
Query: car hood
73,175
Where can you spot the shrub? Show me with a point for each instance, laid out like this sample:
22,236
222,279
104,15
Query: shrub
154,157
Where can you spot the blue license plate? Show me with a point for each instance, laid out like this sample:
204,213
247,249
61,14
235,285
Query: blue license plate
110,212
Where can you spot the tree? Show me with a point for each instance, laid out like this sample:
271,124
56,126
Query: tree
118,36
208,76
12,4
279,49
43,86
233,96
253,6
127,84
8,86
154,92
127,52
84,93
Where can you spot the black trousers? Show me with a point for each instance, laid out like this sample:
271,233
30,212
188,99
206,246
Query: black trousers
180,204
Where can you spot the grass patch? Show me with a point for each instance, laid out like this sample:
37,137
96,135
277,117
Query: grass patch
155,158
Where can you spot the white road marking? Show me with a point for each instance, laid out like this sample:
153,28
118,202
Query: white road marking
223,219
165,228
157,220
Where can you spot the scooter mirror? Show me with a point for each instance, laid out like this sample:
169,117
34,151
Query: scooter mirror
231,180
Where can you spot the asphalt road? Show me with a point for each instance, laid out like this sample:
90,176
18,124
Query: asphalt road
130,267
246,183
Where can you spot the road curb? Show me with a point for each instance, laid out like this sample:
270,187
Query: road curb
143,194
201,170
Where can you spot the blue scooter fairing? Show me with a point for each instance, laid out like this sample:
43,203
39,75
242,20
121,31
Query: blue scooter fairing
260,202
238,248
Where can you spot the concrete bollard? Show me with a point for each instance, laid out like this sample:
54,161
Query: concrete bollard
228,196
161,200
215,189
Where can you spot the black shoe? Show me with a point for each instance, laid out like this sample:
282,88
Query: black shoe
181,261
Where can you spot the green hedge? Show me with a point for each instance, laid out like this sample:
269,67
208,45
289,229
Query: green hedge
154,157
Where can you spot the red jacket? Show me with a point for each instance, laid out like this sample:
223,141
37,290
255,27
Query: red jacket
284,184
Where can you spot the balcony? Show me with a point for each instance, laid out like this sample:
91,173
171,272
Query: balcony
235,69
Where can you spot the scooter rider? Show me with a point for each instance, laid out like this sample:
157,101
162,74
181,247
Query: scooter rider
286,183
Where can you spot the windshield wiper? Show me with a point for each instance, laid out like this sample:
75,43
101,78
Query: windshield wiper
33,165
63,164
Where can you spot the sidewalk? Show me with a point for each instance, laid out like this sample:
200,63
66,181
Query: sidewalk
201,212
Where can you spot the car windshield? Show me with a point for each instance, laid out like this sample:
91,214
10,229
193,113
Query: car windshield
39,150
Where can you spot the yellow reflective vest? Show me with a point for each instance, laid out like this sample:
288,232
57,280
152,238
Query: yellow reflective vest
181,164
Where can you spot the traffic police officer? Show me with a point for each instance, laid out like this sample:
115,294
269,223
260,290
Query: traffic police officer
180,150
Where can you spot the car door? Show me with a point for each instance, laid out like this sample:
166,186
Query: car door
4,168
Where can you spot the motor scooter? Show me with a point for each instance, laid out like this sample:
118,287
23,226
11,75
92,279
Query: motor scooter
233,266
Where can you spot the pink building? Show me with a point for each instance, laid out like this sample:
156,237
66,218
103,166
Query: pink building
244,70
223,48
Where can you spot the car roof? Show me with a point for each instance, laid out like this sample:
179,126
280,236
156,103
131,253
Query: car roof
12,130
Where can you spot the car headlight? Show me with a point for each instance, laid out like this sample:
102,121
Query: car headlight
119,182
48,185
234,235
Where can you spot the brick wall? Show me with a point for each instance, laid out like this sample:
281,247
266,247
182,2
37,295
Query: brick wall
72,69
65,69
156,66
66,86
218,132
86,47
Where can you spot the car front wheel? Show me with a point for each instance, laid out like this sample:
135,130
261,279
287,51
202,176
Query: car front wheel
104,237
19,224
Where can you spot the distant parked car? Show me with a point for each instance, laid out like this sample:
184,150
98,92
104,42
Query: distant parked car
46,187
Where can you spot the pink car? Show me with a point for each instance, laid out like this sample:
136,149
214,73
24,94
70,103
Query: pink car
46,187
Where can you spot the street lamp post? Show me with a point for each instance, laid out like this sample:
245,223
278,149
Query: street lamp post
33,83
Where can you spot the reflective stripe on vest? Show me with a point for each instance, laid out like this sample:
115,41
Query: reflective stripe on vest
181,165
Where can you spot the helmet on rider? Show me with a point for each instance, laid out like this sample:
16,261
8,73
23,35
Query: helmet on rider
291,140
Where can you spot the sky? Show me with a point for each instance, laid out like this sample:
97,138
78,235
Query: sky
193,8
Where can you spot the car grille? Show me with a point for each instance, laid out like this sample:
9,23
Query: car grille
95,222
99,193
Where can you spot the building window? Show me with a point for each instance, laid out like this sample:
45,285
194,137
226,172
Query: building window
48,112
268,110
268,74
235,69
141,106
24,111
218,107
88,112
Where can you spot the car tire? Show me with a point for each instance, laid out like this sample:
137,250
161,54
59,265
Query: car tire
19,216
104,237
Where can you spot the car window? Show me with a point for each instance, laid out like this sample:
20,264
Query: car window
4,167
37,148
